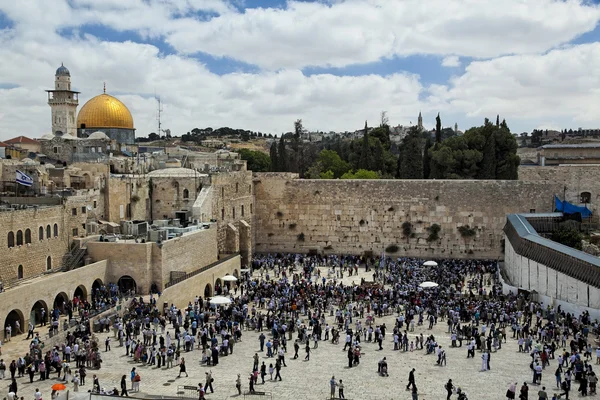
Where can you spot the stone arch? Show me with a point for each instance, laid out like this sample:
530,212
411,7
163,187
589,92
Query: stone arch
12,317
19,238
48,263
97,284
60,301
585,197
81,292
11,239
35,315
126,284
27,236
186,194
55,230
208,290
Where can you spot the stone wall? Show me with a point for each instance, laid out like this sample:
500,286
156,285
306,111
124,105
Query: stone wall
128,198
354,216
46,289
33,257
232,202
182,293
150,262
171,194
573,179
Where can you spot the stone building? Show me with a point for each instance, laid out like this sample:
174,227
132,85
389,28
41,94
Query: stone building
556,154
63,102
67,148
25,144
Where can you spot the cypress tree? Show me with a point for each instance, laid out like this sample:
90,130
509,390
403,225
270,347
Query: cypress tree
488,163
497,120
273,155
427,159
412,156
438,129
363,161
282,156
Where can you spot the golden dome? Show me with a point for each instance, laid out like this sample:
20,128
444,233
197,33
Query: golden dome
104,111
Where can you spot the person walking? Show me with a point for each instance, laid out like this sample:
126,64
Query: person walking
131,376
411,379
449,387
278,370
415,393
182,368
307,349
124,386
510,392
296,348
209,382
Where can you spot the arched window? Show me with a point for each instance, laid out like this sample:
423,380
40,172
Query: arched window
48,263
27,236
20,272
186,194
55,230
585,197
11,239
19,238
48,232
41,233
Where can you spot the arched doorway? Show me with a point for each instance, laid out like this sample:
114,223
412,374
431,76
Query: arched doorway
80,292
11,318
96,287
60,301
127,284
37,316
218,286
207,290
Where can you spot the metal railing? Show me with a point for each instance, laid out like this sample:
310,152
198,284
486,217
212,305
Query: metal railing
199,270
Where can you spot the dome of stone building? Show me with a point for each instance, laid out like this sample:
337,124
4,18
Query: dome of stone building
98,135
104,111
62,71
47,136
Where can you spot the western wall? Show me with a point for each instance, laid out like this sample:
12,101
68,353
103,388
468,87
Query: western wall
354,217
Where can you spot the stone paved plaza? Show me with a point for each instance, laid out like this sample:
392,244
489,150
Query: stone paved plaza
310,379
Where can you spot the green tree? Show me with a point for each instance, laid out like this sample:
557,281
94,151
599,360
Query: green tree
331,161
427,158
438,129
257,161
363,162
488,162
326,175
361,174
282,158
411,153
568,236
274,157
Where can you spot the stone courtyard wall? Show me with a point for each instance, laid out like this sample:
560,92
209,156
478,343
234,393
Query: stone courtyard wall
358,216
574,180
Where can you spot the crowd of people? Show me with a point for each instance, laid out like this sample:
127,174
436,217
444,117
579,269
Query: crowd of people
296,302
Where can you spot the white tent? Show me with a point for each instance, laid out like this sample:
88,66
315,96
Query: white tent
430,263
427,285
220,300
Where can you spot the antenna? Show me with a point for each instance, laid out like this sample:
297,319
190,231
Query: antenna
159,112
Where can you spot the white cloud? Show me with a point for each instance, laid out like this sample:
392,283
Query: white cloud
451,61
527,89
562,84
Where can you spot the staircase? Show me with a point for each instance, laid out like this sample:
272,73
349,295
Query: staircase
73,258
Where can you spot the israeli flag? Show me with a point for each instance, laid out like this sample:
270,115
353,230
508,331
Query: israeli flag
24,179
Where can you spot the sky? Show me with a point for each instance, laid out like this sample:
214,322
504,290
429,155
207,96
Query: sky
262,64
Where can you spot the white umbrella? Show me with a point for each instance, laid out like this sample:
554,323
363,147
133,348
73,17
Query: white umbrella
219,300
428,285
230,278
430,263
244,270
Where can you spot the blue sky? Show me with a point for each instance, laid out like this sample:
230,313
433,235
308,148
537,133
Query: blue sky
263,64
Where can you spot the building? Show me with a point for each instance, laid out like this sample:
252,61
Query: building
25,144
107,114
63,102
103,113
556,154
68,148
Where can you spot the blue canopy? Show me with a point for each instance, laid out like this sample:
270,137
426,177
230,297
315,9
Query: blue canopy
567,208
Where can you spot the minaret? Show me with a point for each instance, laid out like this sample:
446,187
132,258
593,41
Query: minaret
420,121
456,128
63,102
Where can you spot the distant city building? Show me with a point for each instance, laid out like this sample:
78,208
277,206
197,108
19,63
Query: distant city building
556,154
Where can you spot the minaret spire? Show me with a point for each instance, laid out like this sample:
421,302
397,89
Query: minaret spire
105,87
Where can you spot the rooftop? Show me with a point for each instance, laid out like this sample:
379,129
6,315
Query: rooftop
175,173
571,146
21,139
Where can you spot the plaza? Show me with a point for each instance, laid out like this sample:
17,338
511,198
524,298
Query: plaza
310,379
